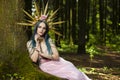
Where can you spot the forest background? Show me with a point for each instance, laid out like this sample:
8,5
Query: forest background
91,30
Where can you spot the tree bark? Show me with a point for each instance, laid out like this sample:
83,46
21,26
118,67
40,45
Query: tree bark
14,57
28,7
74,29
82,7
101,9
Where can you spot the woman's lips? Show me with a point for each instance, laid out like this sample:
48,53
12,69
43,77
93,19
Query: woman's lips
40,33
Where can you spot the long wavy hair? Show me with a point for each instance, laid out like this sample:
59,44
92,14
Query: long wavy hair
46,36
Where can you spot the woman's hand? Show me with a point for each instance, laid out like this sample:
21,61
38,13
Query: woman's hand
38,39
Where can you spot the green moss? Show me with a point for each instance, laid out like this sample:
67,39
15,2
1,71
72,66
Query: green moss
30,72
23,66
14,59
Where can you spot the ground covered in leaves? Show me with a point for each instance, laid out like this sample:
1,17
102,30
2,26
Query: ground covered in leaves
101,67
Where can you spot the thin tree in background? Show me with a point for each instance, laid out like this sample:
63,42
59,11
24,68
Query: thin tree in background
118,16
94,13
67,19
57,37
118,6
74,21
82,10
88,19
114,16
101,19
28,8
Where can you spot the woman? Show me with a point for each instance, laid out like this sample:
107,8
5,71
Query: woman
43,51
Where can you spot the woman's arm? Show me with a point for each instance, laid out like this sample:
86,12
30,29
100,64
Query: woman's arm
54,55
33,52
54,50
34,57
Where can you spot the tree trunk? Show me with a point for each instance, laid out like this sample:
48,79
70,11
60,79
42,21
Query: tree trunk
82,7
114,17
74,29
101,9
57,37
14,58
28,29
118,16
67,16
88,20
94,12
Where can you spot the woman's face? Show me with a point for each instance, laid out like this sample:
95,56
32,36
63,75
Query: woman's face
41,29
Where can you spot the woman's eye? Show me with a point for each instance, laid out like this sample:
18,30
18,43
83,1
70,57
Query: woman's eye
39,26
44,28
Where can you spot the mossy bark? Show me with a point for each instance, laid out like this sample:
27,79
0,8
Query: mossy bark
13,54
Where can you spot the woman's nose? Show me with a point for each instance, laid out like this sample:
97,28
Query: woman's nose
42,29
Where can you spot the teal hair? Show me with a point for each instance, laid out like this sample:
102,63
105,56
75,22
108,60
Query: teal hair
46,36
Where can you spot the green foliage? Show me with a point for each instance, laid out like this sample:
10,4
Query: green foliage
65,47
14,76
91,46
85,70
92,50
113,42
119,24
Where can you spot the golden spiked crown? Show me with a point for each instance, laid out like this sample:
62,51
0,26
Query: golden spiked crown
42,15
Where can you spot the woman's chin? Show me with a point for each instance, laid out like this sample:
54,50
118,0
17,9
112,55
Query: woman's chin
40,34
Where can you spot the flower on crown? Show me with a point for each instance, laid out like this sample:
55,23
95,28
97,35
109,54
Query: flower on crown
42,15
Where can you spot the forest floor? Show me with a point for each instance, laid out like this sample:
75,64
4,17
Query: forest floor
101,67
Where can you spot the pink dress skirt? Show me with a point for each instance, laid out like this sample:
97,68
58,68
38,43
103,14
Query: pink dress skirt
62,69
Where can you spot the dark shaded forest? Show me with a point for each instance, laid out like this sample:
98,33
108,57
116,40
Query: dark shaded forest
90,38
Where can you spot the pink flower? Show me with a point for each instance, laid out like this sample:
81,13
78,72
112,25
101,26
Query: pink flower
43,17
